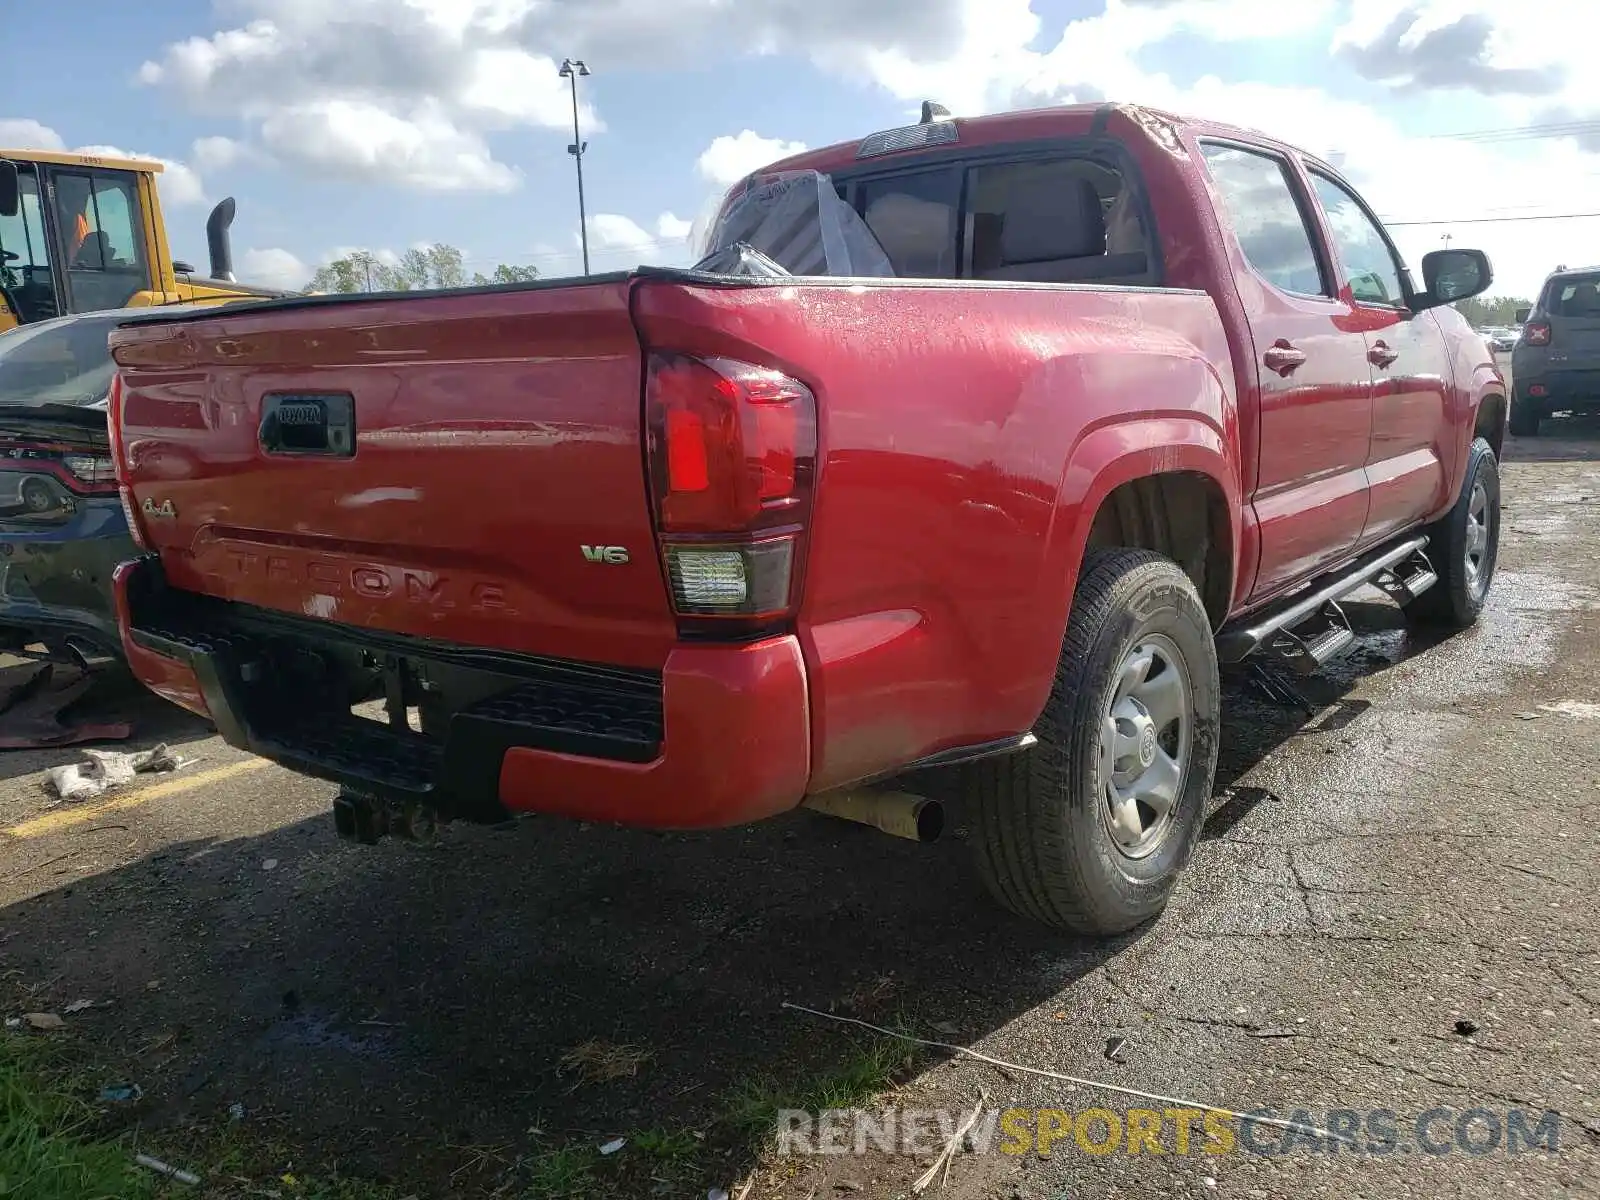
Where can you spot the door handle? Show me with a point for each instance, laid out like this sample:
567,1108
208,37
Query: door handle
1283,358
1381,356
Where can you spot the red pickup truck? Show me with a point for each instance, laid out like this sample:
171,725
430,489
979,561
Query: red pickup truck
1125,396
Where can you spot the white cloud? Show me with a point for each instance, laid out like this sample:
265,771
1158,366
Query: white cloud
273,267
218,153
397,91
672,227
357,139
611,231
731,157
21,133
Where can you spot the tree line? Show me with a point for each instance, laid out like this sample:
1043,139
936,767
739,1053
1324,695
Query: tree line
1492,310
425,269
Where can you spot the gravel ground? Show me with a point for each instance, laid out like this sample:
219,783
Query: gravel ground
1392,909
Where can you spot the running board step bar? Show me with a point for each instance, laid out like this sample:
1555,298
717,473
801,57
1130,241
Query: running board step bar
1315,641
1407,579
1329,633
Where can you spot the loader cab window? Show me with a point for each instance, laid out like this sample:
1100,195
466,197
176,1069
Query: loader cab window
25,258
97,213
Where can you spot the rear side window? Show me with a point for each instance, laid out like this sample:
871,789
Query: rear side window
1574,296
913,216
1046,219
1259,201
1056,220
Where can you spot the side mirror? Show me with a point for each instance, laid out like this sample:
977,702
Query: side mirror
1523,314
1451,275
10,189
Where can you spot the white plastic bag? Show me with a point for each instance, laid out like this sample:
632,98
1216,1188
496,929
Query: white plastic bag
798,221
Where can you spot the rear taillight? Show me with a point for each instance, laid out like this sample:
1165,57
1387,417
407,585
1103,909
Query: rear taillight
91,469
1536,333
733,451
120,463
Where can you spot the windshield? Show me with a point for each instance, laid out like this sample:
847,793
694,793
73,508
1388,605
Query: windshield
64,361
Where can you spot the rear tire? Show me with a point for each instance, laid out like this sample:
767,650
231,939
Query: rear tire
1464,547
1525,417
1133,717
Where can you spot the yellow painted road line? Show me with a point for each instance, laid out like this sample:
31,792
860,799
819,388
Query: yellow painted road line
66,818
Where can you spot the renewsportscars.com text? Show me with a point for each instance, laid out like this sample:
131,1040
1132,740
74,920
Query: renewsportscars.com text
1102,1131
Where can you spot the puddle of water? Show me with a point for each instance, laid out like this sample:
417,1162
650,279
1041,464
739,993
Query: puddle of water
1581,709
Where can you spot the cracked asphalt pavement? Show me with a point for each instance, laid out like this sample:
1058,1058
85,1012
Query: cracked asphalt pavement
1392,908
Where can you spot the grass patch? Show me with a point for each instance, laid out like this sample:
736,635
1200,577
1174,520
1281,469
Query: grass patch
866,1073
48,1148
564,1173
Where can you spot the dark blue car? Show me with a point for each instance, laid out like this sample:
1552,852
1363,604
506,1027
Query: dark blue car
62,528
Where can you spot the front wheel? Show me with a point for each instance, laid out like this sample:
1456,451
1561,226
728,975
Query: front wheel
1464,546
1089,830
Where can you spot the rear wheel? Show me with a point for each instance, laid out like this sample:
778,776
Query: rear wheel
1464,546
1089,830
1525,417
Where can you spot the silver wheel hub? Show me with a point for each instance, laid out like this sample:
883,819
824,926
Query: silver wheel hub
1145,739
1479,520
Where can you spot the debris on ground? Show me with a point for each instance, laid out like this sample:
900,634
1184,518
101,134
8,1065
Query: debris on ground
613,1146
171,1172
269,864
44,1021
34,699
1114,1047
1466,1028
121,1093
941,1165
78,1006
597,1061
236,1111
107,769
1078,1080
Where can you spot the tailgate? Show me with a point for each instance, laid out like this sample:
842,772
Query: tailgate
467,467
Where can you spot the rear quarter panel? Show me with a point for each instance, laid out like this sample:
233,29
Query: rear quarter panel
966,434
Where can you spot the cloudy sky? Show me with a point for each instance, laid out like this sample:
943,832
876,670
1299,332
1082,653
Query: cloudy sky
387,123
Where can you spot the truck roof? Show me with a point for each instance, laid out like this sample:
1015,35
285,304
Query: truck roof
61,158
1062,120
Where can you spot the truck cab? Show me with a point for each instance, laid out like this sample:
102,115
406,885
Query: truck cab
81,233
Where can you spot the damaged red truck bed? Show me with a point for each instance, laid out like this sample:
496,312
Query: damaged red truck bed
679,549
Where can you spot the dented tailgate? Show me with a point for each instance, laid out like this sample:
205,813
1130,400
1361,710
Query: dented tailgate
467,467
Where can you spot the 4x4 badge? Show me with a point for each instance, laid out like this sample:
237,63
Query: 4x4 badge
164,509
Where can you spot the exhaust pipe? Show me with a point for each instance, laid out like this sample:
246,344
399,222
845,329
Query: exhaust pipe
899,814
89,657
217,242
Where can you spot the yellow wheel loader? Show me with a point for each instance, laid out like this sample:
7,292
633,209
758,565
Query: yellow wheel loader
80,233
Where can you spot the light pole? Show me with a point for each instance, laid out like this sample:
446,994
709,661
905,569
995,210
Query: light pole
1447,239
571,68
